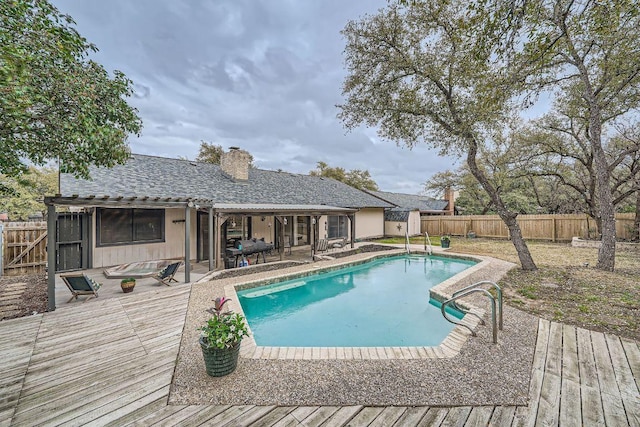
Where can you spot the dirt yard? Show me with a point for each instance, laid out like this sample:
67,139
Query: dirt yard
22,295
567,287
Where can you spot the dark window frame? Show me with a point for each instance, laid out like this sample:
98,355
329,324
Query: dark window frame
161,216
342,226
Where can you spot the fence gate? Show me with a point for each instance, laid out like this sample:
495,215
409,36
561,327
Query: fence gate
23,248
72,241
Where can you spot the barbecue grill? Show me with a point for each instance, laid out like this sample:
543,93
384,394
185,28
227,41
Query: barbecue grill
249,247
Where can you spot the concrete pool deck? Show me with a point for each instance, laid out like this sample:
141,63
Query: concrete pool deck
477,372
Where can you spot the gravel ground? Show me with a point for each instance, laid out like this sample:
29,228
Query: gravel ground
481,374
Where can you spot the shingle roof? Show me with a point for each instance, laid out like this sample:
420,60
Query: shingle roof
163,177
397,214
411,201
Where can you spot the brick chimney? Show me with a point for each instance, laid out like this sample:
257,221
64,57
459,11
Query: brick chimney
450,196
235,163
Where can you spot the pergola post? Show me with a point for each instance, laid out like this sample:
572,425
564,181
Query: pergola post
281,237
316,234
187,244
212,258
52,218
352,223
217,252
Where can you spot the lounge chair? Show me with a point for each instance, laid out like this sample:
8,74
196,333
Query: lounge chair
339,244
80,284
165,276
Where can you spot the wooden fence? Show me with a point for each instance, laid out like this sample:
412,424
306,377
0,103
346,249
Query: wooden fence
24,248
556,228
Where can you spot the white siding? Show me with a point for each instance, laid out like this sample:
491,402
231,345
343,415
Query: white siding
414,223
369,223
391,228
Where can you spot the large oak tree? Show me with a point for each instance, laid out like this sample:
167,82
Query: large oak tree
588,53
424,71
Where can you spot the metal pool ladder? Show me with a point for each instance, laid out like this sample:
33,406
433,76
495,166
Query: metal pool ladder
427,244
472,289
406,244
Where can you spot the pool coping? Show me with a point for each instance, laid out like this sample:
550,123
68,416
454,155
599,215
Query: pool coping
448,348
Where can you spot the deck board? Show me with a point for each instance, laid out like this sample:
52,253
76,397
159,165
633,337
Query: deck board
319,416
226,416
53,390
592,412
479,416
614,413
295,417
203,416
502,416
264,418
135,411
624,378
17,340
456,416
388,416
412,416
526,415
570,406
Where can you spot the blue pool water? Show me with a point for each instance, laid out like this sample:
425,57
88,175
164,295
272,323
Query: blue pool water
382,303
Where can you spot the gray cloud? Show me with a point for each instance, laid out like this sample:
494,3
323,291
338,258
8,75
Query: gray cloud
264,75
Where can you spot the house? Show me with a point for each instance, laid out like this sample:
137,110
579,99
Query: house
404,218
158,208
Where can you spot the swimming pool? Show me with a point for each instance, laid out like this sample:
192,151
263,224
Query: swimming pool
381,303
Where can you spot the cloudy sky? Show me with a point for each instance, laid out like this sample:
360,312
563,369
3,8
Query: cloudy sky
264,75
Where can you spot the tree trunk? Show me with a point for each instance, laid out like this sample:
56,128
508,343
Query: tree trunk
598,230
607,251
508,217
635,235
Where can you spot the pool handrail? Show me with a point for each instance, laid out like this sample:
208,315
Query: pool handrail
498,293
427,246
463,293
406,242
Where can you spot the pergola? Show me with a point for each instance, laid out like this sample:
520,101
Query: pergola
218,213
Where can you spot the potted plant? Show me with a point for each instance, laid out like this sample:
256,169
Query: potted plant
128,284
445,241
220,339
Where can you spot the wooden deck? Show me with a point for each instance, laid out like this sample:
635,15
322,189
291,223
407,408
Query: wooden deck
111,361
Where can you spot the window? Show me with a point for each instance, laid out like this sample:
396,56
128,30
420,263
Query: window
337,227
122,226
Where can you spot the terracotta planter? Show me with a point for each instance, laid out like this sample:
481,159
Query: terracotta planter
220,361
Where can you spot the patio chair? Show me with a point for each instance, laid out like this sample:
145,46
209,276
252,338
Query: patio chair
322,245
80,284
339,244
165,276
